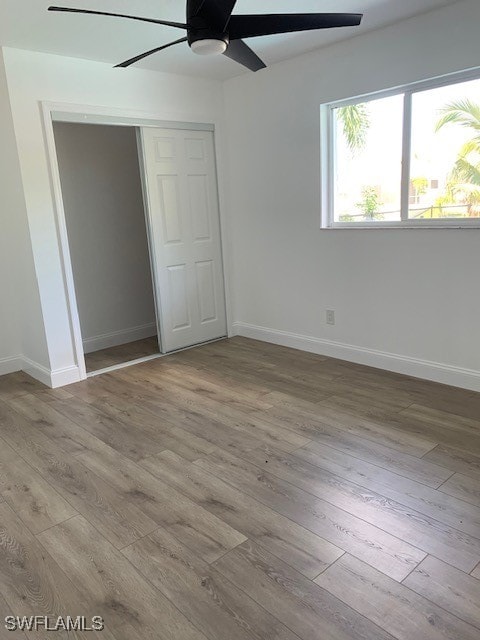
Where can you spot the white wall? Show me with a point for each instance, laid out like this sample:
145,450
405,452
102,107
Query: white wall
102,195
17,299
412,295
35,77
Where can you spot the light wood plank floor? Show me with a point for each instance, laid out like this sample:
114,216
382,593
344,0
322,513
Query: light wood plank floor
97,360
243,491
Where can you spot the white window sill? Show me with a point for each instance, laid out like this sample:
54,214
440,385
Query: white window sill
444,224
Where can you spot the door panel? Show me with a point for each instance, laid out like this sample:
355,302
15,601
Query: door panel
182,205
199,207
206,291
178,294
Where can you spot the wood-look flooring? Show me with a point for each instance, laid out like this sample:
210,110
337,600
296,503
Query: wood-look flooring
98,360
242,491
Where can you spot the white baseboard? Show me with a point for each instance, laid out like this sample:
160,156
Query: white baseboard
37,371
52,379
435,371
62,377
115,338
10,365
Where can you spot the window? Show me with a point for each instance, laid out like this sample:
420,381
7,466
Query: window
405,158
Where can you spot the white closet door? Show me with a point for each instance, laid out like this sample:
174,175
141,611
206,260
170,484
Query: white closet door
182,205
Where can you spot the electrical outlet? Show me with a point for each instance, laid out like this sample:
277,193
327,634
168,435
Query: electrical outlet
330,316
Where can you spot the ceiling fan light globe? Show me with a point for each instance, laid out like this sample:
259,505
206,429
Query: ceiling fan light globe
209,47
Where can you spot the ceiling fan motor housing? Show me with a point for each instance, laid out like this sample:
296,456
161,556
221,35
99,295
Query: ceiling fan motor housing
205,33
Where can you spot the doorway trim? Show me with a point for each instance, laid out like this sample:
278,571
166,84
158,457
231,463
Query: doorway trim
87,114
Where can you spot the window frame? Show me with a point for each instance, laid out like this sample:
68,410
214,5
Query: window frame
328,159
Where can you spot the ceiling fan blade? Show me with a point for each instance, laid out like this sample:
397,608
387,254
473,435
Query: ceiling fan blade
249,26
216,12
179,25
240,52
131,61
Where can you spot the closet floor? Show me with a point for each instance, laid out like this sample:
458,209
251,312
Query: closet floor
121,353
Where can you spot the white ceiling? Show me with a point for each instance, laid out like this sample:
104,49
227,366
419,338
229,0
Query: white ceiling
26,24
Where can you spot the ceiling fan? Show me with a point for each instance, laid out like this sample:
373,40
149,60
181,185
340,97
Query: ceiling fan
211,28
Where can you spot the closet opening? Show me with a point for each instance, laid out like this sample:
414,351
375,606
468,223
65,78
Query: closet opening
101,183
